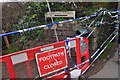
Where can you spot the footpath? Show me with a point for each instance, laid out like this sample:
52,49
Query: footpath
110,69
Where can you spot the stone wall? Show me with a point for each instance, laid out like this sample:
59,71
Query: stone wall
63,31
11,12
99,36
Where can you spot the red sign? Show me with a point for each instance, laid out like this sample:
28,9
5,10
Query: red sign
51,61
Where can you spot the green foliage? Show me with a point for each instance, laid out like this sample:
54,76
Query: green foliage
58,19
89,10
58,6
109,5
110,48
34,16
23,39
12,49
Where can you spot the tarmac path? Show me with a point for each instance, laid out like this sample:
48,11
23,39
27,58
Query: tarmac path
110,69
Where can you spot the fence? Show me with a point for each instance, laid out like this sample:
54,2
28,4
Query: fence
26,56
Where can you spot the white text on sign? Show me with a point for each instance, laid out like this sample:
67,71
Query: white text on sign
52,56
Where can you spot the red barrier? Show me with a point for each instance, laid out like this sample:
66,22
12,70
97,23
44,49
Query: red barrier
26,56
82,55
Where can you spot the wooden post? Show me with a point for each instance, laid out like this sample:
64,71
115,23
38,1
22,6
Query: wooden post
6,40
